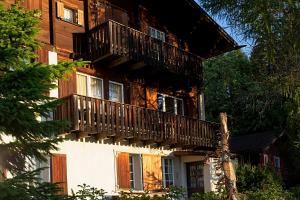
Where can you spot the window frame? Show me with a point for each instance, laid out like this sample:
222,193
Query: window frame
162,35
74,13
122,89
265,159
131,162
277,158
76,19
164,172
175,104
88,85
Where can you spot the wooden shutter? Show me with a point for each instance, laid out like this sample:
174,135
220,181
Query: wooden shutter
67,86
152,172
59,172
80,17
123,171
60,10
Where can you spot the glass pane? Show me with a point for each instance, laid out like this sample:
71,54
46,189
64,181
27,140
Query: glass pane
96,87
81,85
179,107
115,92
170,105
160,102
68,15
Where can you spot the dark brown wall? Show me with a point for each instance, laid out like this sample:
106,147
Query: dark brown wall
64,30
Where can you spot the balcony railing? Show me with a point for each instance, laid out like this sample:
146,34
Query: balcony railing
113,38
107,119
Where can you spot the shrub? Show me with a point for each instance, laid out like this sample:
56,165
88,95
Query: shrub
257,183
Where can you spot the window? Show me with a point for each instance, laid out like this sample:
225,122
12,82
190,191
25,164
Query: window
89,86
132,164
44,174
131,167
116,92
277,162
157,34
67,14
170,104
168,172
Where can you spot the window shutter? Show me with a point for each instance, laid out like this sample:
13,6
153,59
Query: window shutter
60,9
59,172
123,171
67,86
152,172
80,17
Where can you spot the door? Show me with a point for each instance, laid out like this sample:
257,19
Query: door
195,178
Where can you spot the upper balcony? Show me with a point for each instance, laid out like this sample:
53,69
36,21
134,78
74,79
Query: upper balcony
103,119
116,44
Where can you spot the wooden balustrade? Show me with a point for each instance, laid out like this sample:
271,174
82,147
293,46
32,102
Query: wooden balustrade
104,119
113,38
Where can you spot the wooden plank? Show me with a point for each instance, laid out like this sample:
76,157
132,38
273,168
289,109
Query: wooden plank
123,170
59,172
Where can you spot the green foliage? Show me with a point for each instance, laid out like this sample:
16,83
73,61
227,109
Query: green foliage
293,193
18,29
87,192
172,193
259,183
209,196
23,102
232,85
27,187
274,28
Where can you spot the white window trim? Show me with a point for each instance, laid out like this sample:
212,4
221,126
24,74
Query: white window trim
89,89
117,83
161,33
266,159
175,104
173,175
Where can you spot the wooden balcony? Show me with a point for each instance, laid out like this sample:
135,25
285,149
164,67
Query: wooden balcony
124,44
121,122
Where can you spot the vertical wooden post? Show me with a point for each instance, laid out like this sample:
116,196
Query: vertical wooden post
227,166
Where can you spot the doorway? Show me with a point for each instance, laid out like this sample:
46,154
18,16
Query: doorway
195,178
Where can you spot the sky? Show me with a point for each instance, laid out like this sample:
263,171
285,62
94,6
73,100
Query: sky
236,36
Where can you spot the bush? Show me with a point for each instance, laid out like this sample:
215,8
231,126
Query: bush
257,183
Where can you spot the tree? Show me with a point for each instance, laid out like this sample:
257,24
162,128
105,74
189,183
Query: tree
24,85
232,85
274,27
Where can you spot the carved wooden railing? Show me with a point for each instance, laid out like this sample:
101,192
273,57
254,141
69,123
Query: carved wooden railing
122,121
113,38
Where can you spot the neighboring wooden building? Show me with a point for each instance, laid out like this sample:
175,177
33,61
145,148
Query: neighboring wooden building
259,149
136,111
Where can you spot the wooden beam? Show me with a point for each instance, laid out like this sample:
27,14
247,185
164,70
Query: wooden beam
52,18
118,62
136,66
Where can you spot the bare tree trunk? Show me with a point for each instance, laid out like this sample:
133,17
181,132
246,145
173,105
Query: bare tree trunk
229,173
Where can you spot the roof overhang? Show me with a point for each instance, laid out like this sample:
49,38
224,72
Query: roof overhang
191,23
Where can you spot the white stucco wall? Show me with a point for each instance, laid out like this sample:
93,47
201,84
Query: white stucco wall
94,163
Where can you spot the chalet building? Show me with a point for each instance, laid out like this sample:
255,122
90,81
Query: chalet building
136,111
260,149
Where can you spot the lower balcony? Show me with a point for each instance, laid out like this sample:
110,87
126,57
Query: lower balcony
103,119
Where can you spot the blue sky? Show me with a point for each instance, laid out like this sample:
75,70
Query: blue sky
236,36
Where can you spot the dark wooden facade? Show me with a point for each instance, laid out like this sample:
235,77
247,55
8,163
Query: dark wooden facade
114,36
